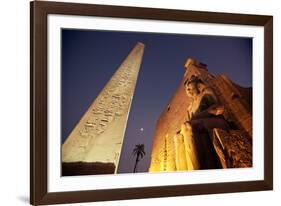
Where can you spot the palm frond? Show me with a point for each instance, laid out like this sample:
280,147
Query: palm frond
139,150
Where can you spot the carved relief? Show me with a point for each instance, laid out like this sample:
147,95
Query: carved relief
92,140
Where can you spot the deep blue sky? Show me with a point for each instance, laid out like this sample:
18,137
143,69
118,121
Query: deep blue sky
89,58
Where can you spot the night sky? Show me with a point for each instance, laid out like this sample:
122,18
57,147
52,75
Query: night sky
89,59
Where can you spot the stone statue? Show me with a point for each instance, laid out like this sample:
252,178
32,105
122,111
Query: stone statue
205,113
205,110
206,125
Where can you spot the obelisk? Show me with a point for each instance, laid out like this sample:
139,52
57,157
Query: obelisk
98,136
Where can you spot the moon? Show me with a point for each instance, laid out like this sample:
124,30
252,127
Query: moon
141,129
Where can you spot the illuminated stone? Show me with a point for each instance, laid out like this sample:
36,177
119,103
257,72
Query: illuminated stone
233,149
99,134
201,104
180,154
190,147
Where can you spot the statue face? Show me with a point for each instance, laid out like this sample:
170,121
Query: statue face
196,89
191,89
194,86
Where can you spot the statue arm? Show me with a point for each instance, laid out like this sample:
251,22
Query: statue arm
216,109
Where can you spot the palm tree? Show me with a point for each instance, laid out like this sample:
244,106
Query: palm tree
139,152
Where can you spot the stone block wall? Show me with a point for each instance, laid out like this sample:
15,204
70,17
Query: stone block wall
178,145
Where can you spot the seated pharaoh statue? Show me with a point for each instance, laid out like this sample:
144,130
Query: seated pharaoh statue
205,114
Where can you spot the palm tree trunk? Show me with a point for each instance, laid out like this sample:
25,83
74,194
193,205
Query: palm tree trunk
136,163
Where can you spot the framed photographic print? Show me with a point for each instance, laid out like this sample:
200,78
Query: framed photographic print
133,102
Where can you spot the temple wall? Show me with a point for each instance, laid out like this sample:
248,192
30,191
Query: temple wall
176,138
236,104
171,119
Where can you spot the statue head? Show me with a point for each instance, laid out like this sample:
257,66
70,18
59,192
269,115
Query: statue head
198,90
194,86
